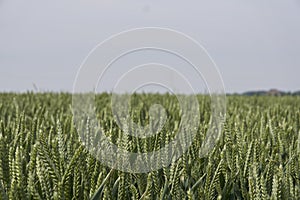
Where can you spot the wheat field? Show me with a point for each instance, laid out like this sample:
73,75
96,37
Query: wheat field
42,157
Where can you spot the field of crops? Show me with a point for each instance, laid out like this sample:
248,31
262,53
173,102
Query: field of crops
257,157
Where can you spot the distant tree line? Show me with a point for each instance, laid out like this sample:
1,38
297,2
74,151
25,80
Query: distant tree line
272,92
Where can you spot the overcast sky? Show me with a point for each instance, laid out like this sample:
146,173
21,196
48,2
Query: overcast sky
255,44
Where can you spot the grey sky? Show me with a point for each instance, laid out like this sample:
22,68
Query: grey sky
255,44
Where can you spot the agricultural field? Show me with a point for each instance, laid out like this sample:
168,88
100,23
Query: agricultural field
42,157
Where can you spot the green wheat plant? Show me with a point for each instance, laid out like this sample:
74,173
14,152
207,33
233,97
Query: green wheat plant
43,157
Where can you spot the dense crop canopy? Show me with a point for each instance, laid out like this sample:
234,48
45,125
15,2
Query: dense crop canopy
42,157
